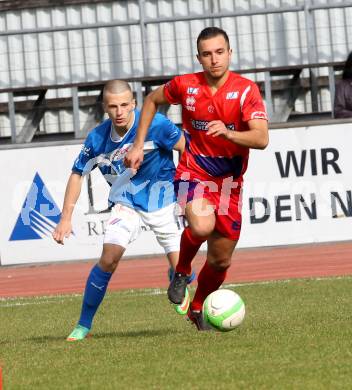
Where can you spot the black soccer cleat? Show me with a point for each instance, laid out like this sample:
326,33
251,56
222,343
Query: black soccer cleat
197,318
177,288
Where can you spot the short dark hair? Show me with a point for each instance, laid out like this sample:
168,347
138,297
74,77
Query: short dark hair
211,32
347,69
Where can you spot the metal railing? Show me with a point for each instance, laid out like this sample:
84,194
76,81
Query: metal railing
291,94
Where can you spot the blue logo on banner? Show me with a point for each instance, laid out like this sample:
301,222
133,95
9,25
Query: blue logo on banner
39,214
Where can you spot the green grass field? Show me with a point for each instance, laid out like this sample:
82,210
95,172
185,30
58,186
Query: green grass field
296,335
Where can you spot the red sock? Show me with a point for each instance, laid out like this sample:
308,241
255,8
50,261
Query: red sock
188,248
209,280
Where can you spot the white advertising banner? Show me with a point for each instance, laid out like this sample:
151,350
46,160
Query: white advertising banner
33,182
296,191
299,189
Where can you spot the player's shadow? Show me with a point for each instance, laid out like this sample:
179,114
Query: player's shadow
102,335
44,339
133,333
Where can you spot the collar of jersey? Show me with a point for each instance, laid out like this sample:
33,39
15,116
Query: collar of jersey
208,89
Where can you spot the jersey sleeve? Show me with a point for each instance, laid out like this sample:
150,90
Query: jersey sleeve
252,105
172,90
167,134
86,160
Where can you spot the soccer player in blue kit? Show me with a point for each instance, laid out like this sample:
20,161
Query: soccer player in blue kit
138,199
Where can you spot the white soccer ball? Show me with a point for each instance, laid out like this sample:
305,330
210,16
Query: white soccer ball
224,310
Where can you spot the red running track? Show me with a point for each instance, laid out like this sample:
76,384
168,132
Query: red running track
323,260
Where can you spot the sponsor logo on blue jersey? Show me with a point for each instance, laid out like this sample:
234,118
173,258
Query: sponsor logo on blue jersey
85,150
39,214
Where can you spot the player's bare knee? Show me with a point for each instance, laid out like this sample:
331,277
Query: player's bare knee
201,229
200,232
218,258
220,264
110,257
109,260
108,264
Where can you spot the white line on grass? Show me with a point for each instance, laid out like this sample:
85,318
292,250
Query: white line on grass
264,282
39,300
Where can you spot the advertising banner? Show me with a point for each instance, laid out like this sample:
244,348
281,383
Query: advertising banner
299,189
296,191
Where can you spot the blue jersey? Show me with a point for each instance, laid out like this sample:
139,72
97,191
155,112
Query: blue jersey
151,188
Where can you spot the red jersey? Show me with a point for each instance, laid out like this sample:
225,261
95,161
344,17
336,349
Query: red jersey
235,103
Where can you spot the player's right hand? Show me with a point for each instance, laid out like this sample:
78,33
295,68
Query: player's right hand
62,230
134,157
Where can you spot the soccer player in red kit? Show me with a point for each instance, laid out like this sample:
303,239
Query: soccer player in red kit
223,116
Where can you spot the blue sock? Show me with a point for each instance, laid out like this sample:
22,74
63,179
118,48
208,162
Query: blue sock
94,293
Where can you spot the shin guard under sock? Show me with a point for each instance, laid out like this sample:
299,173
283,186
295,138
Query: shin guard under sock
94,293
209,280
189,246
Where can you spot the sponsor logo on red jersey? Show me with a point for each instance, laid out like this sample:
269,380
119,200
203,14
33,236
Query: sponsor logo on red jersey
202,125
190,101
192,90
232,95
259,115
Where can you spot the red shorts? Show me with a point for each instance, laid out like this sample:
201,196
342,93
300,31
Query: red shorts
226,202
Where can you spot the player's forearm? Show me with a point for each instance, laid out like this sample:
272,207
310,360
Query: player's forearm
73,190
254,138
147,114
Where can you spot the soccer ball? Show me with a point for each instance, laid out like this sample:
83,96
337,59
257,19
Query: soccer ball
223,310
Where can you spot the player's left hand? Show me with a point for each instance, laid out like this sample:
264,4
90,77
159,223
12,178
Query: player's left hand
217,128
134,157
